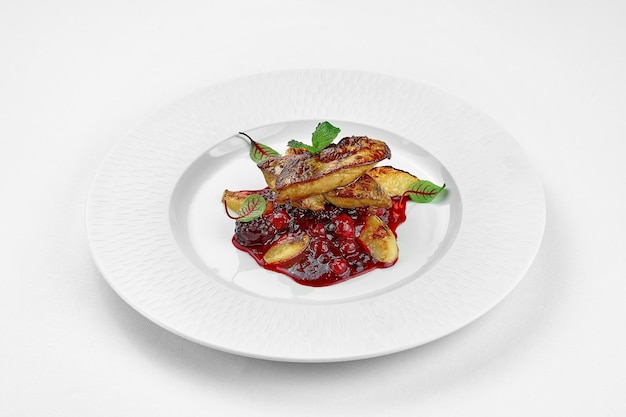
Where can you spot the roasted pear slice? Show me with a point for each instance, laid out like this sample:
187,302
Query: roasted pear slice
301,175
362,192
394,181
234,199
380,240
315,203
286,248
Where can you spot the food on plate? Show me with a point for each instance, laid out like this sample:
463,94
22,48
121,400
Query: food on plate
394,181
300,175
327,212
364,191
379,239
286,248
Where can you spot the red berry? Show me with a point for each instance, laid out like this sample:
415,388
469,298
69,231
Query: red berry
348,246
344,226
320,246
280,220
339,266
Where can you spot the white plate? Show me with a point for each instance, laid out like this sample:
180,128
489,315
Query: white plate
159,234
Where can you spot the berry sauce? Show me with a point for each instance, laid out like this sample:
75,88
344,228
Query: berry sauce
334,252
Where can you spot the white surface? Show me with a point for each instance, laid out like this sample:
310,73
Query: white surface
75,77
158,193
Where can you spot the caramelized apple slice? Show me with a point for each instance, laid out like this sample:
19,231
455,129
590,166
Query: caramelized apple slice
379,239
286,248
362,192
394,181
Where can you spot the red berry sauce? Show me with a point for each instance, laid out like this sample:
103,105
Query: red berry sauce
334,253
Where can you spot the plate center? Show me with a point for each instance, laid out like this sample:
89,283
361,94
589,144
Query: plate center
204,232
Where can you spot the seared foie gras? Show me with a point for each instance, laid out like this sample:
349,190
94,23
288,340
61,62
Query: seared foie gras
301,175
362,192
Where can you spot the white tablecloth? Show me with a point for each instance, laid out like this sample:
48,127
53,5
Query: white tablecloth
75,76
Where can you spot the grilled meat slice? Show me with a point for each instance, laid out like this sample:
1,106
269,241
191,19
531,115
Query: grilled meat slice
301,175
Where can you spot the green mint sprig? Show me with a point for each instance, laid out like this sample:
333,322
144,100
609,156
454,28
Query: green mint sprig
324,135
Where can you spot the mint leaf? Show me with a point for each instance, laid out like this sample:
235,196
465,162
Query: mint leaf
423,191
323,136
253,206
298,144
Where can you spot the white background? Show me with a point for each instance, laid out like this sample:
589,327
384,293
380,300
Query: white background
75,76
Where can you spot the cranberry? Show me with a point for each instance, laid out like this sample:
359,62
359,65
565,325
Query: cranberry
344,227
280,220
348,246
320,246
339,266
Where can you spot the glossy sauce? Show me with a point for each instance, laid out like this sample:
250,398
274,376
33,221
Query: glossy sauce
334,253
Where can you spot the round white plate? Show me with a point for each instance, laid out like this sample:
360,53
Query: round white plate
160,237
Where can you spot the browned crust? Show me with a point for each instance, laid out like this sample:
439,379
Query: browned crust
300,175
362,192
